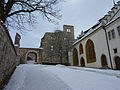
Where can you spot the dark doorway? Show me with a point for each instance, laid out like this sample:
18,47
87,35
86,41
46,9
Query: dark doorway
82,62
117,62
104,61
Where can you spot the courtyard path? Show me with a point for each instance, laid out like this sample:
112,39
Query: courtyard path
32,77
59,77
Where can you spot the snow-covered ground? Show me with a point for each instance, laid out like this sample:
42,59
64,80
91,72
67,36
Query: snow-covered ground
59,77
31,62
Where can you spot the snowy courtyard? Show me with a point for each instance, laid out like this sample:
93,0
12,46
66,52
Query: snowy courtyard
59,77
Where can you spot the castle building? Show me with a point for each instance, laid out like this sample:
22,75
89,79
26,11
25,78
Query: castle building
99,46
56,44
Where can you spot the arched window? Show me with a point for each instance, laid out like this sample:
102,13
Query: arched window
90,51
82,62
75,57
104,61
81,49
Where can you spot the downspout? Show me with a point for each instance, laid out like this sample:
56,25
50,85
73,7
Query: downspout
108,47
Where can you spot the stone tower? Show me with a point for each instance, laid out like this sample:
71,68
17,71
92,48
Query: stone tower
17,45
56,45
17,39
69,33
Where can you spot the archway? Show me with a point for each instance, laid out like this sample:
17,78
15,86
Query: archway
31,57
82,62
117,62
75,57
104,61
24,52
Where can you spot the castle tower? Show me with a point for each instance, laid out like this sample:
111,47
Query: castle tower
69,33
17,39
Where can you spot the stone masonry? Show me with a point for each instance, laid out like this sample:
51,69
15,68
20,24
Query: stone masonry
55,45
25,52
8,55
17,46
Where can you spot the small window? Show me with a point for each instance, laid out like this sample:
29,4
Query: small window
51,37
68,30
65,38
118,28
51,48
115,50
109,35
113,33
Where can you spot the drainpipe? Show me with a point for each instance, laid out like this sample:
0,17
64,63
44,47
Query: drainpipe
108,47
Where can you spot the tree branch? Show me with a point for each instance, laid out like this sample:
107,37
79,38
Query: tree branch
19,12
16,12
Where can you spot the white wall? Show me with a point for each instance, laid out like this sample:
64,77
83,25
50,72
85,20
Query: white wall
114,43
100,44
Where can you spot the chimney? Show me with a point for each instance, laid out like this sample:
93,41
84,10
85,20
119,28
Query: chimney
111,14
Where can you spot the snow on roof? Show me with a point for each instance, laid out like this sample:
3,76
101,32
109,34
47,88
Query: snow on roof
115,17
91,30
107,19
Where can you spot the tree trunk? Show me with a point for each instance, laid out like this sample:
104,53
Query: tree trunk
2,16
5,9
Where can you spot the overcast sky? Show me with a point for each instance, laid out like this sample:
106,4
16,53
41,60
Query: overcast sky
82,14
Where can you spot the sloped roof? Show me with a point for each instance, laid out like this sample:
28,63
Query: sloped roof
107,19
114,18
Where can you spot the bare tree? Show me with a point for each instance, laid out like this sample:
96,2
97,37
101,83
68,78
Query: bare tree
20,13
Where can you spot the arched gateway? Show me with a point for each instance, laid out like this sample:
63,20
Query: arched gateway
27,54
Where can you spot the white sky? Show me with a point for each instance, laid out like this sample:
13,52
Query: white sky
82,14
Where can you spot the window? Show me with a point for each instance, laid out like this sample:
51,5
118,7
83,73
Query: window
81,49
90,51
113,33
118,28
109,35
51,37
115,50
65,38
51,48
68,30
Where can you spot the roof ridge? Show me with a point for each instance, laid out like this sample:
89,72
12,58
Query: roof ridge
108,17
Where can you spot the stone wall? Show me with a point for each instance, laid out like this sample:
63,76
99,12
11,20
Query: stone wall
56,44
7,55
24,52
